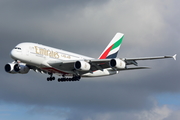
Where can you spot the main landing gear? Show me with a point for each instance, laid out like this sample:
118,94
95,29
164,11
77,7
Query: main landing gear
75,78
63,79
51,78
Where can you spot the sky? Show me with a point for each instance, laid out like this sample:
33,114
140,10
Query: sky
85,27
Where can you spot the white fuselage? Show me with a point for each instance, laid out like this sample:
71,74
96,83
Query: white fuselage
38,55
35,54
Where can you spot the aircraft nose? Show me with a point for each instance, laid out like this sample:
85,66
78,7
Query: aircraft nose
13,54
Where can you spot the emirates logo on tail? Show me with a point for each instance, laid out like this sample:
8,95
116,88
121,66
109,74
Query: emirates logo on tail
112,49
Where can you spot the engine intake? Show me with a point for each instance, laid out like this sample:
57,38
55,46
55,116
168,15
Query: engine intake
10,68
16,68
117,63
82,66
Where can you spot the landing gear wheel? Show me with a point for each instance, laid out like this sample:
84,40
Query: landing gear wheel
50,78
75,78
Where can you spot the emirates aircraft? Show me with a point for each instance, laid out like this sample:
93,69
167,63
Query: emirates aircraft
70,66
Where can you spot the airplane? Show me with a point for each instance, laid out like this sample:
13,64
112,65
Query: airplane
71,66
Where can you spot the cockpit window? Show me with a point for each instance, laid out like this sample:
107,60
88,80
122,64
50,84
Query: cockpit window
17,48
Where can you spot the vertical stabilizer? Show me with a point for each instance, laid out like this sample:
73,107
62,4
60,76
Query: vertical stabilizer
112,49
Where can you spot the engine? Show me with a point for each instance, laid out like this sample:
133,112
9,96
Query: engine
82,66
16,68
10,68
117,63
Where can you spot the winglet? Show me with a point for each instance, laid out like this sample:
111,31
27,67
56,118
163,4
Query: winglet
174,56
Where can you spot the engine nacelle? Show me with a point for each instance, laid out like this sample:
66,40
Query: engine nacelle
23,69
10,68
117,63
16,68
82,66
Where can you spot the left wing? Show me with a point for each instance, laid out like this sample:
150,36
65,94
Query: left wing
130,61
85,66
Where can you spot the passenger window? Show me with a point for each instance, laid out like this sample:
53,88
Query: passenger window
17,48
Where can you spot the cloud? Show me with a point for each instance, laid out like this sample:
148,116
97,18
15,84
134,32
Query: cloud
155,113
150,27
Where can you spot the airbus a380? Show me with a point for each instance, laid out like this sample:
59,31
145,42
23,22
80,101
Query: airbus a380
70,66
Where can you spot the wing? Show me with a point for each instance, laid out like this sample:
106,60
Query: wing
130,61
85,66
68,66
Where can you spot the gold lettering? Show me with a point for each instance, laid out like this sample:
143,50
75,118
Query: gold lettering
36,49
68,57
43,51
56,55
51,54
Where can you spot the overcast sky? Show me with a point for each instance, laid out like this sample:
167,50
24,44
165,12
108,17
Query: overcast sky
151,28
